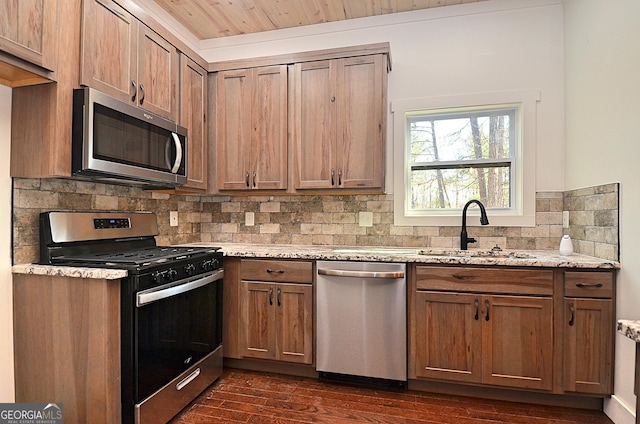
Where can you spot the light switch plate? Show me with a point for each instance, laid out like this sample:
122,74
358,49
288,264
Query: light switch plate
249,219
565,219
365,219
173,218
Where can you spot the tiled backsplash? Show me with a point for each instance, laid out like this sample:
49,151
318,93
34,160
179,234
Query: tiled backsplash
306,220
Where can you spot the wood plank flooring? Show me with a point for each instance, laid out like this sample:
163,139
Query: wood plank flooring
250,397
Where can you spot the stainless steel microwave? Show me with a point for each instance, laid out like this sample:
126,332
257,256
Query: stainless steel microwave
116,142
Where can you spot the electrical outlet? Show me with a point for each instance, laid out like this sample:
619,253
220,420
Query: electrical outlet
565,219
365,219
173,218
249,219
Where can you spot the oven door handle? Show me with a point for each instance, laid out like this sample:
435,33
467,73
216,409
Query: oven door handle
158,293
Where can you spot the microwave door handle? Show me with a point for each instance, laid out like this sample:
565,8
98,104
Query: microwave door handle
176,165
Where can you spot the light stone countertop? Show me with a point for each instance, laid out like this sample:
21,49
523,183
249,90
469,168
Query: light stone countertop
629,328
530,258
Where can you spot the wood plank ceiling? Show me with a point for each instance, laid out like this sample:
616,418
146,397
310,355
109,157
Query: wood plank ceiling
221,18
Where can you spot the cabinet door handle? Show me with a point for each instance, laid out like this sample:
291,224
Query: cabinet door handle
278,295
246,179
333,172
589,286
339,177
275,271
476,303
141,93
572,310
254,178
486,305
270,295
134,90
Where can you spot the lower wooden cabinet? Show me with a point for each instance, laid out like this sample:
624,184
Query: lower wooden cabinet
490,339
269,310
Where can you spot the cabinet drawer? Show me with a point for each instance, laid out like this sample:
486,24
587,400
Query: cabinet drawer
484,280
589,284
278,271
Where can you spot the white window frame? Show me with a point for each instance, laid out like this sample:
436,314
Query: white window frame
522,210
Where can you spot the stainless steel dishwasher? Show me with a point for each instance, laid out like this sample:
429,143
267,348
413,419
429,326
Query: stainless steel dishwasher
361,318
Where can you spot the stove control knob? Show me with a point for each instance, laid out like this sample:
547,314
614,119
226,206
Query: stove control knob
190,269
158,276
171,275
207,265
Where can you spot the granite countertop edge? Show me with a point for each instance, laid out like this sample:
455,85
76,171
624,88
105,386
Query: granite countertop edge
534,258
630,328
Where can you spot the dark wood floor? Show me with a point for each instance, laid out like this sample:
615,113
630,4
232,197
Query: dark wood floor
250,397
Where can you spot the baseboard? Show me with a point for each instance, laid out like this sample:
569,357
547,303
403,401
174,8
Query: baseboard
618,412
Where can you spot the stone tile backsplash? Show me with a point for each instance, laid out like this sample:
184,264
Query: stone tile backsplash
311,220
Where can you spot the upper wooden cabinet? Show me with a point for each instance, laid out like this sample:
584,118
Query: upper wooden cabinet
338,123
124,58
251,129
28,30
193,110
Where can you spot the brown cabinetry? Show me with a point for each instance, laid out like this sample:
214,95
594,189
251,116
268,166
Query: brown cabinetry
276,310
193,110
482,337
588,332
28,31
251,129
124,58
338,122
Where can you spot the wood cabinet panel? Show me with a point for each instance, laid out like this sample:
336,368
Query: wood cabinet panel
517,341
589,284
448,336
294,322
67,339
475,279
277,270
588,345
251,130
28,30
193,116
259,319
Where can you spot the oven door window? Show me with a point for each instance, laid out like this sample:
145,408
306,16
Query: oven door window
174,333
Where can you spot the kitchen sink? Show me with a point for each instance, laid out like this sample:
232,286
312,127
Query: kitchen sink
474,253
390,251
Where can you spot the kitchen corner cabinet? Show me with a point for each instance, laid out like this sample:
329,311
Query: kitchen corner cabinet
588,332
276,299
485,326
251,128
124,58
193,116
28,30
338,123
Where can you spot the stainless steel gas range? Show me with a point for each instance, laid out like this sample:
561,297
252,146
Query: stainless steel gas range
171,305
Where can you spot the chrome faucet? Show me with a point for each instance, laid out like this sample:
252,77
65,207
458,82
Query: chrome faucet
464,240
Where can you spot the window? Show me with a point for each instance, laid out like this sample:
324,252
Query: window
461,154
448,152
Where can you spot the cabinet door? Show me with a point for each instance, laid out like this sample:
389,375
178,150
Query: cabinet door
313,124
193,107
517,341
233,129
28,30
258,316
294,322
269,128
361,103
448,336
588,348
109,42
157,74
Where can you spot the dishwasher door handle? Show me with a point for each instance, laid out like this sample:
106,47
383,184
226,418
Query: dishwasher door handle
361,274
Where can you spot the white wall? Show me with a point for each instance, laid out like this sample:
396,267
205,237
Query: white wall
497,45
603,144
6,302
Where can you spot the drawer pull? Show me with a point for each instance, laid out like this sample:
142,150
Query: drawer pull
275,271
589,286
462,277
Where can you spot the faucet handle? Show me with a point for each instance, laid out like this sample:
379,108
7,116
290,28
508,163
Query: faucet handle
471,240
